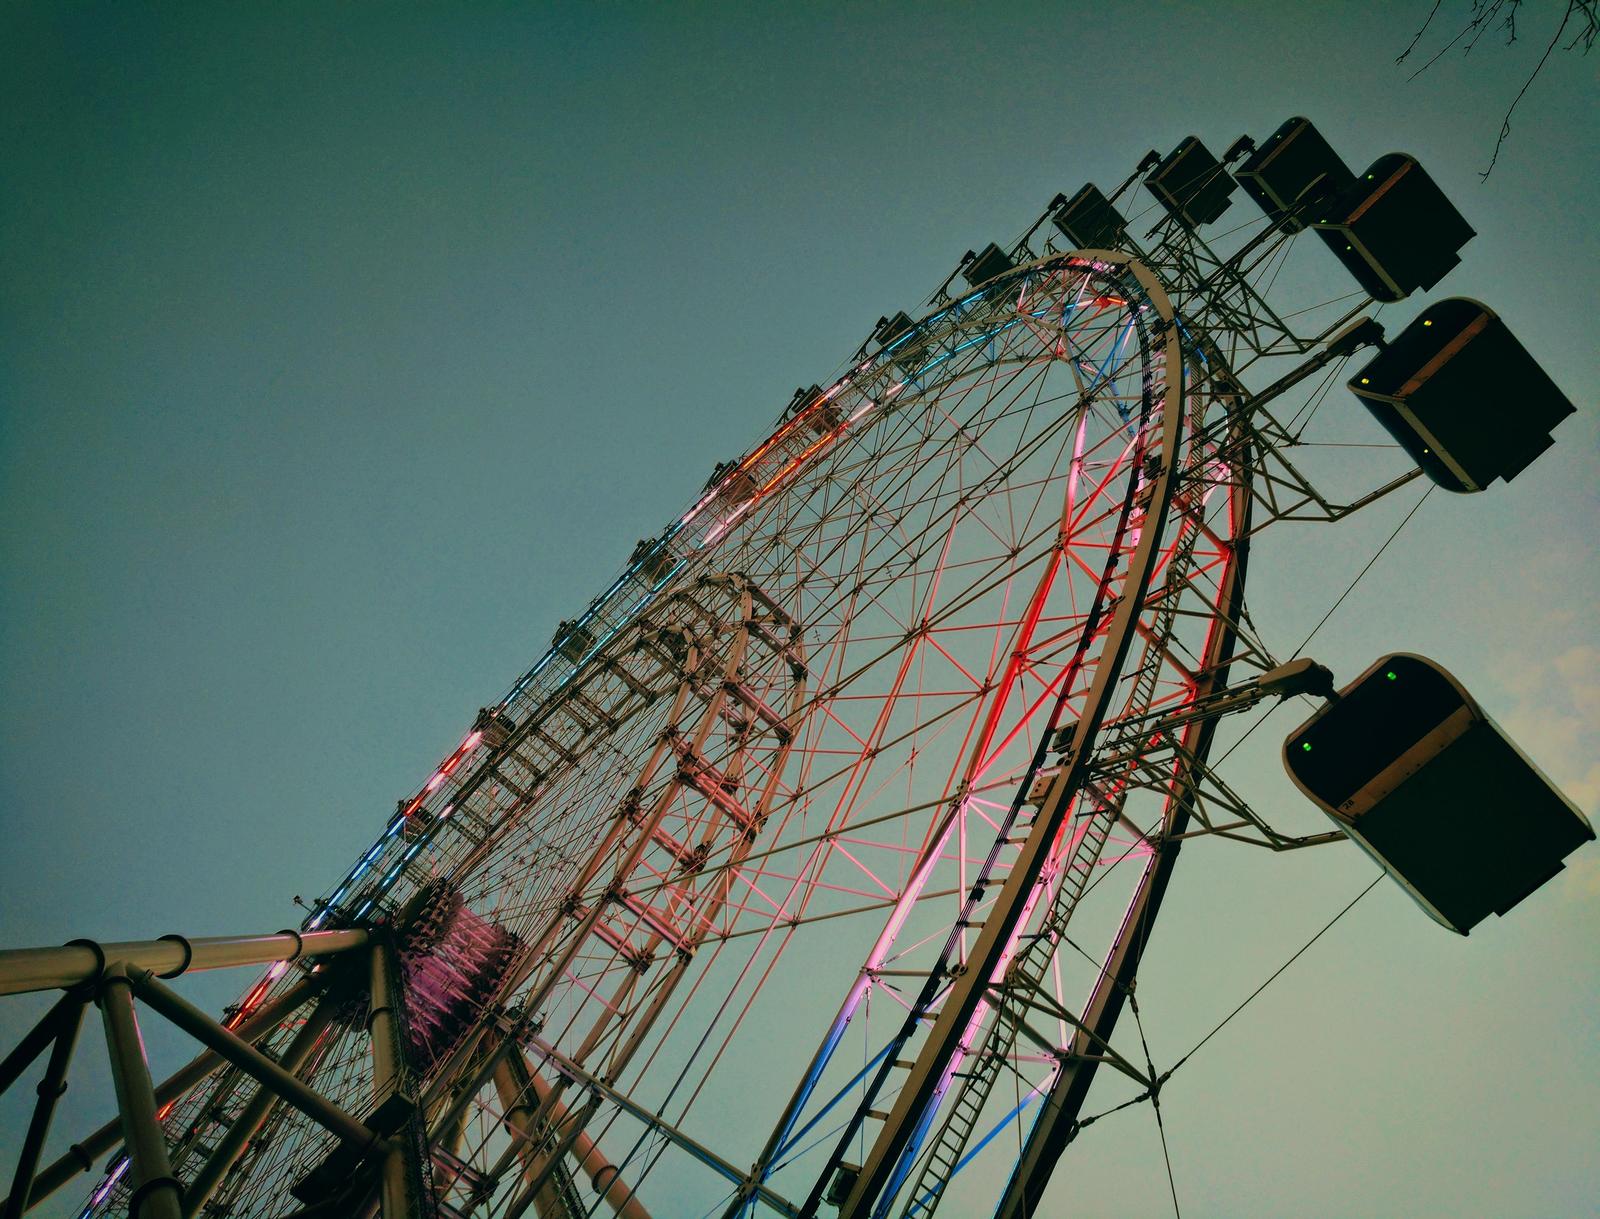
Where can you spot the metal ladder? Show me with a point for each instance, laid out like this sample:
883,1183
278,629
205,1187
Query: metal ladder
1032,959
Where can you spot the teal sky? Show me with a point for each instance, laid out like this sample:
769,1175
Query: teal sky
346,350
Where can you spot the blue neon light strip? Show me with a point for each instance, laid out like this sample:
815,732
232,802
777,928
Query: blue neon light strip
788,1144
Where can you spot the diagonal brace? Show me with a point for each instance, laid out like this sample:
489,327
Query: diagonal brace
253,1062
1047,1005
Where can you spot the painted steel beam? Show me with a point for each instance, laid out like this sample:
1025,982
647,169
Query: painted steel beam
1057,1123
35,1040
400,1179
66,1023
255,1114
601,1172
29,969
253,1062
82,1156
156,1192
658,1124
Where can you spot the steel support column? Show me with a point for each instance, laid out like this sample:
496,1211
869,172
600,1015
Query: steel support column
388,1057
156,1192
519,1112
602,1173
400,1174
553,1160
67,1021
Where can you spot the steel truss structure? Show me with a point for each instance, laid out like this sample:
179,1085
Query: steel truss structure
911,704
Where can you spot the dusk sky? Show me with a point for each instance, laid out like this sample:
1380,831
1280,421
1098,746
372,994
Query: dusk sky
345,350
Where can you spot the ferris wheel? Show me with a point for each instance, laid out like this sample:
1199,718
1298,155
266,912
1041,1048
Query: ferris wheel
825,843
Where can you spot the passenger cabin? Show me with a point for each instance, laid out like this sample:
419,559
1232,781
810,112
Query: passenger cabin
413,824
1294,170
816,414
803,397
889,329
493,727
1394,230
1191,184
733,482
572,641
652,560
823,417
739,486
1089,222
719,472
983,266
1408,765
1462,396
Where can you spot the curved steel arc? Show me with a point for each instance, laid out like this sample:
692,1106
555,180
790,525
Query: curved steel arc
988,1044
938,838
1056,1124
967,985
924,867
858,535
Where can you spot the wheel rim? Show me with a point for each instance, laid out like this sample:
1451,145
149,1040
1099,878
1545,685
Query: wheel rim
915,565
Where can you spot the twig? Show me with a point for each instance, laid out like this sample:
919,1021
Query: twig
1482,19
1417,37
1505,123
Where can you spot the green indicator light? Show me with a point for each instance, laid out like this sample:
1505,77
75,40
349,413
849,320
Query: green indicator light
1390,675
1306,746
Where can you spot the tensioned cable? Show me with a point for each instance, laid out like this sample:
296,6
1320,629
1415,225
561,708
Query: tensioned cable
1155,1102
1403,522
1281,256
1320,396
1313,401
1148,1094
1350,905
1343,444
1262,718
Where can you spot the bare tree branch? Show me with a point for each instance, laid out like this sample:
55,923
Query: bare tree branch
1486,14
1440,53
1417,37
1510,22
1586,35
1482,18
